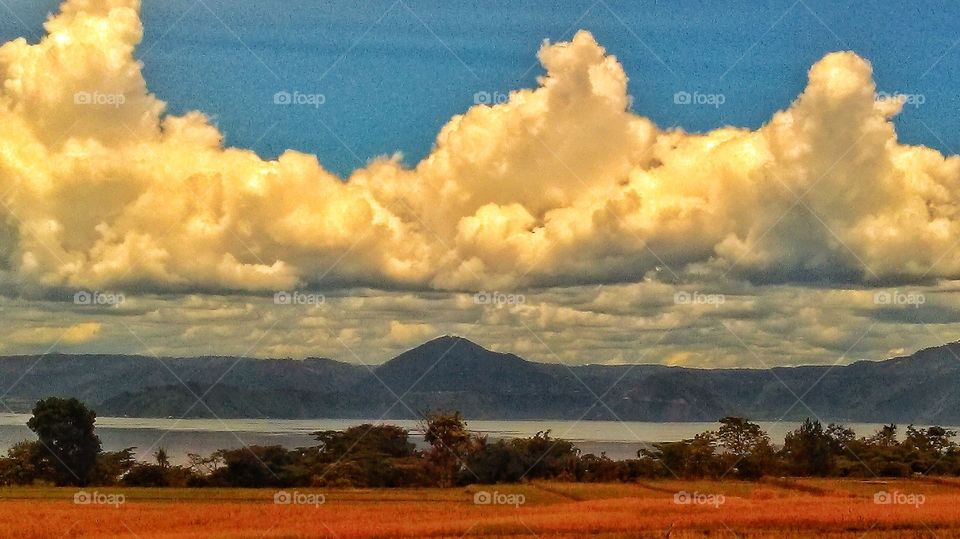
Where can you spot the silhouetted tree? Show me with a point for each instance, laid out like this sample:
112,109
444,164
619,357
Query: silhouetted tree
748,451
69,446
450,442
807,450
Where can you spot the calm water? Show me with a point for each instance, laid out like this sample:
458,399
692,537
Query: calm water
203,436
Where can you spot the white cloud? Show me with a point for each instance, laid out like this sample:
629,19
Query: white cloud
558,185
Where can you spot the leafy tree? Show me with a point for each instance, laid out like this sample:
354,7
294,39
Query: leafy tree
365,455
749,453
885,437
23,464
364,441
65,431
807,450
113,465
692,458
450,442
255,466
739,436
162,458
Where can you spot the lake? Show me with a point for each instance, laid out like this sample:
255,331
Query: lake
204,436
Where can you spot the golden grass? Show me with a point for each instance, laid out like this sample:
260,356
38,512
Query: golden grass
773,508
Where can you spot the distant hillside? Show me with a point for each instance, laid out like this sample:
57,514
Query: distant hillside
454,373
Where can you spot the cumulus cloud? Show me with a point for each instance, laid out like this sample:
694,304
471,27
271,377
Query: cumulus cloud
560,185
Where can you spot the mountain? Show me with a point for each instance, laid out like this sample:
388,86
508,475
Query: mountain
455,373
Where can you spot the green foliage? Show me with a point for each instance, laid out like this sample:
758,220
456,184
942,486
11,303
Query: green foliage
23,465
808,450
112,466
519,459
450,444
68,452
256,466
64,428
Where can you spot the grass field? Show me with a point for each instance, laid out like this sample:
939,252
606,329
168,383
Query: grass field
772,508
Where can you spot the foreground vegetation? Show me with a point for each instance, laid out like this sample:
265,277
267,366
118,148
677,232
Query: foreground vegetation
68,452
768,508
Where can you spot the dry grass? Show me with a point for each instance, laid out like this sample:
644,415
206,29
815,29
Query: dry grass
790,508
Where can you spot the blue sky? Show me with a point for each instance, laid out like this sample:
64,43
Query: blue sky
816,239
394,72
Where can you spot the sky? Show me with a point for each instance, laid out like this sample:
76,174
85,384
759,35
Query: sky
753,184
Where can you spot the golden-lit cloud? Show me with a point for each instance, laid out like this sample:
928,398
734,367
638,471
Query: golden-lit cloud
48,336
560,185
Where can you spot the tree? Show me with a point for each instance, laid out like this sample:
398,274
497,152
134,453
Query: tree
749,453
113,465
739,436
449,440
69,445
807,449
163,459
22,465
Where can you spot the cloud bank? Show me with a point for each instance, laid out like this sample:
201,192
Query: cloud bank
560,185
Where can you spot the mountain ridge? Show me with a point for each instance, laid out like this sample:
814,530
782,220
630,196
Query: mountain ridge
455,373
